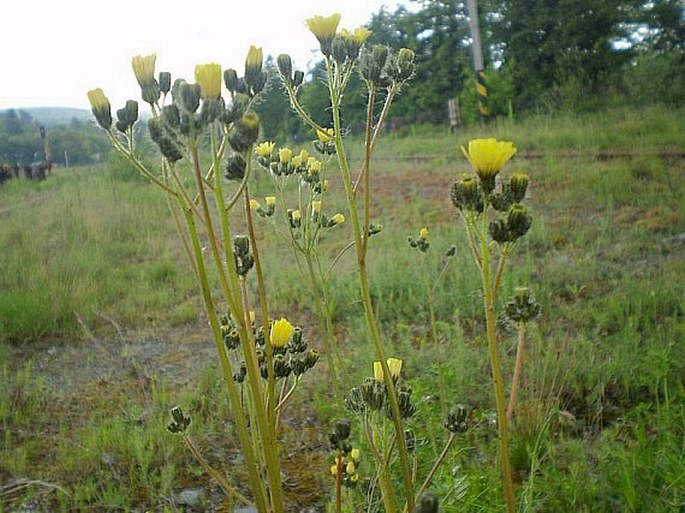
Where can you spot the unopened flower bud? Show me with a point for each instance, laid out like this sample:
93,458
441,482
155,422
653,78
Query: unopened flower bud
407,409
235,167
281,367
244,132
168,145
342,430
127,116
164,81
298,78
285,67
519,221
310,358
379,54
231,80
170,116
499,231
405,64
457,419
467,195
339,49
427,503
518,185
241,244
188,99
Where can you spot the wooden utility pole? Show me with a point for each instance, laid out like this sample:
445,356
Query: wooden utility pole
478,64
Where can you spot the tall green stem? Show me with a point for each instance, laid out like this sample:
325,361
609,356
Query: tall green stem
234,396
365,290
489,305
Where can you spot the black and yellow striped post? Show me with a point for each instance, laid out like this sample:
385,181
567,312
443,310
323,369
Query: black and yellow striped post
478,65
482,92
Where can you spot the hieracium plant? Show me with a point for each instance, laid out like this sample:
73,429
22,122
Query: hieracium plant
208,136
206,131
495,219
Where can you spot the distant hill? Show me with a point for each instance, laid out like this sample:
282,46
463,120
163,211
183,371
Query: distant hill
54,116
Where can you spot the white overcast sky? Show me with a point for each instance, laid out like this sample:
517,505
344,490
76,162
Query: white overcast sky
54,51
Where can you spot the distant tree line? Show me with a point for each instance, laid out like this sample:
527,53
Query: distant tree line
21,143
541,56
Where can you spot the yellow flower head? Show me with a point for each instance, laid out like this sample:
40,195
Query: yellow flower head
270,201
355,454
313,165
265,149
350,469
324,186
208,76
325,135
297,161
334,470
144,68
324,29
487,156
394,366
254,204
423,233
316,206
284,155
296,215
101,108
337,219
304,155
361,34
281,331
254,60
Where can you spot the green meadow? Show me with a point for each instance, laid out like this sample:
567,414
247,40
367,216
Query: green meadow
102,330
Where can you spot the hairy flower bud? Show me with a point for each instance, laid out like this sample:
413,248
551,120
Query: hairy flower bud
164,81
244,132
427,503
405,64
127,116
339,49
458,418
298,78
166,141
101,108
518,221
285,67
170,116
518,185
235,167
522,307
467,195
231,80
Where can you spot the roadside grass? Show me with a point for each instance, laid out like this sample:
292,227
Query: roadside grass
600,426
83,247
